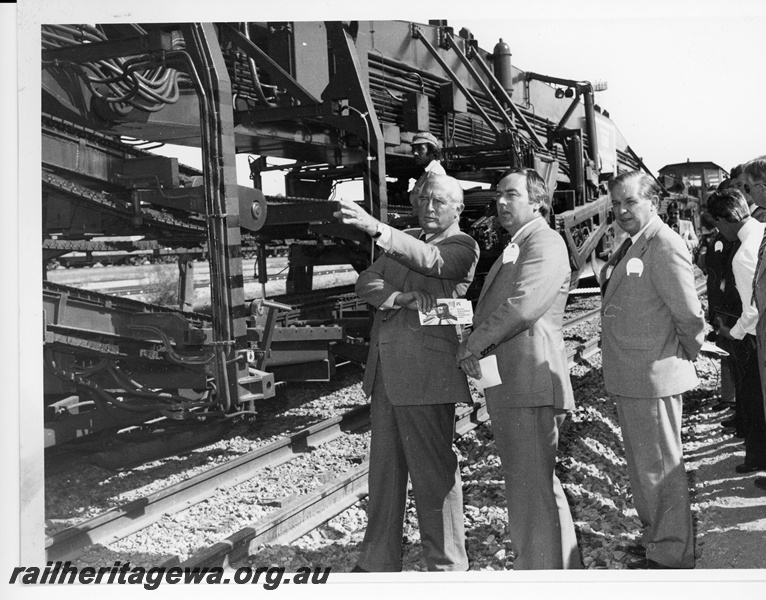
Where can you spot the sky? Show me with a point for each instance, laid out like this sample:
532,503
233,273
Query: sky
679,88
681,77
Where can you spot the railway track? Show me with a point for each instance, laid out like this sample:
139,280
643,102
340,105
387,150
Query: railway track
283,526
129,518
308,512
288,523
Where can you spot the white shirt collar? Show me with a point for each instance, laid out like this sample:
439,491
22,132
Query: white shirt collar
523,227
433,165
633,238
749,227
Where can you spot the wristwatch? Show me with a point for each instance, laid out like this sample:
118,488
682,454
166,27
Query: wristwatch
378,232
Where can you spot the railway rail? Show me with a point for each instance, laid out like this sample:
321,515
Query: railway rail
127,519
309,511
291,521
286,524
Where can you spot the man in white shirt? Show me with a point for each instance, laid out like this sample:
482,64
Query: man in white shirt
426,152
730,210
754,173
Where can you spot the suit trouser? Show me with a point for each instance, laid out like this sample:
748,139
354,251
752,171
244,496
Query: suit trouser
414,441
651,433
539,520
730,374
727,383
747,379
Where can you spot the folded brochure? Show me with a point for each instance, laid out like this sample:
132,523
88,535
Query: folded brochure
448,311
490,374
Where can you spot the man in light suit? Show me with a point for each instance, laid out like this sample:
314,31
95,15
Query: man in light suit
413,380
682,227
518,320
651,330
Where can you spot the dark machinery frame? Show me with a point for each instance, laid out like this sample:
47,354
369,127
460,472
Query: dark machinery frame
341,99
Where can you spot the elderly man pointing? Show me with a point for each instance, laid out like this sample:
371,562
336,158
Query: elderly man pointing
413,380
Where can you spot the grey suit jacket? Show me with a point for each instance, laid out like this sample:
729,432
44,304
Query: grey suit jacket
418,361
686,231
519,319
651,318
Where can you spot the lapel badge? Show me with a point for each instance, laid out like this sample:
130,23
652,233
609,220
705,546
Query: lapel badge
511,253
635,265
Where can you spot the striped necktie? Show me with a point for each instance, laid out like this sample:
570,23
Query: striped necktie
761,252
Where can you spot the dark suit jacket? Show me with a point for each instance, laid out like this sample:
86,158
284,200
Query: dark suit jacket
418,361
651,319
519,319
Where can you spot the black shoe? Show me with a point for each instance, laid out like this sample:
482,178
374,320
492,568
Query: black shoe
749,468
729,422
647,563
760,483
358,569
635,550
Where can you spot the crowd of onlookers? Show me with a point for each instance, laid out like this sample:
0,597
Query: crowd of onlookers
652,328
736,290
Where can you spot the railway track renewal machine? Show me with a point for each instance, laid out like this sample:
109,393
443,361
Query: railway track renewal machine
338,103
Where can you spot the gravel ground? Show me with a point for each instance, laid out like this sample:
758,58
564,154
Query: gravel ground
728,511
84,490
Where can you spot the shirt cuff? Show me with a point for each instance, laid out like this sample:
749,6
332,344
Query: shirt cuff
389,303
737,332
384,241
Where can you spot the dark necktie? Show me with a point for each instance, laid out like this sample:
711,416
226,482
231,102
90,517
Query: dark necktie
621,252
761,252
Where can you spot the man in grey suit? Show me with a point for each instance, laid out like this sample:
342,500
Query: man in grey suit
518,320
651,330
413,380
755,176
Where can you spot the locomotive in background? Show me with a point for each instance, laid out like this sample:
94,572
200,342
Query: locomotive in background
342,100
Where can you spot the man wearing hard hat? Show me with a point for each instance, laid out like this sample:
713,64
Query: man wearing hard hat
425,150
